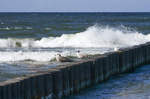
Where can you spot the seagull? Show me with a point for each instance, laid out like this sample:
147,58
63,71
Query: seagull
79,55
116,49
20,52
60,58
18,44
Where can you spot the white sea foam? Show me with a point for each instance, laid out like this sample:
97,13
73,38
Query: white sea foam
47,29
13,43
21,56
29,28
101,39
2,22
93,37
6,28
15,28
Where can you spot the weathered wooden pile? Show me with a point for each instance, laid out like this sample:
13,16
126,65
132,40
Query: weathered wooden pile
65,80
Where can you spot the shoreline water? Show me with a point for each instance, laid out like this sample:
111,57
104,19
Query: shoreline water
123,86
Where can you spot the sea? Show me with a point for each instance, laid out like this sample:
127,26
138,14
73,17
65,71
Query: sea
29,43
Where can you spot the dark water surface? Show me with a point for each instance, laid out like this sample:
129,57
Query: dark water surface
134,85
37,25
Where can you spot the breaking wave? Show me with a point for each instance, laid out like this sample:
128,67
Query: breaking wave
94,40
94,36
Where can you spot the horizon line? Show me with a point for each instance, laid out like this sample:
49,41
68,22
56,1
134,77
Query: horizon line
73,12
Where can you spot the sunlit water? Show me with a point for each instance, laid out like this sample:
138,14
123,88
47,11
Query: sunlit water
134,85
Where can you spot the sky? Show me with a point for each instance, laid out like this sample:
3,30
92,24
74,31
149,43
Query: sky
74,5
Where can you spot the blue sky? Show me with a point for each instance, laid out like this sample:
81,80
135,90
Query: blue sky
74,5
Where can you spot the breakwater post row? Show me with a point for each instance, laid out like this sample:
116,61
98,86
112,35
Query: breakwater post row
66,80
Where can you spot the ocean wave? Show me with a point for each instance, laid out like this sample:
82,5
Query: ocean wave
44,56
94,36
94,40
22,56
16,28
6,28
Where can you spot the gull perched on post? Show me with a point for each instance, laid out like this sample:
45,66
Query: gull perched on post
60,58
80,55
116,49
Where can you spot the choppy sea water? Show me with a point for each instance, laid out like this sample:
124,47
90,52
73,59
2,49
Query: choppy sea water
134,85
30,41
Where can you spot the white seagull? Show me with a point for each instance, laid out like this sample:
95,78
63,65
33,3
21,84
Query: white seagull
60,58
80,55
116,49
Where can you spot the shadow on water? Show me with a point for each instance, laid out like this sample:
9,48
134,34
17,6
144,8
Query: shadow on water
134,85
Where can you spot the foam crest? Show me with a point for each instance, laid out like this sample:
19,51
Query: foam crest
13,43
95,40
22,56
94,36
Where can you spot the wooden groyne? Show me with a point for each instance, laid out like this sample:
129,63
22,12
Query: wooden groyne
66,80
